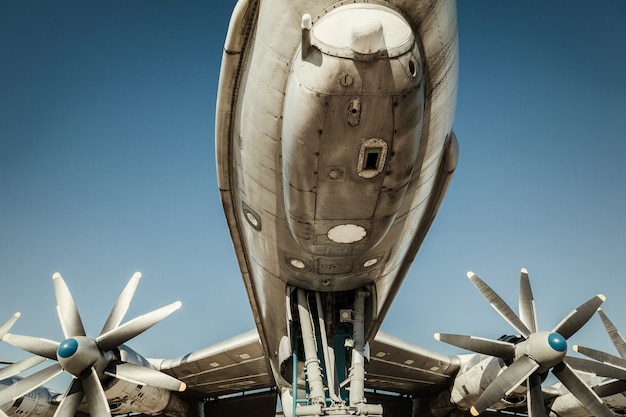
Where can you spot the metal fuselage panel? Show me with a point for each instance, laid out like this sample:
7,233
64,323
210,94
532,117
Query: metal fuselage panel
332,164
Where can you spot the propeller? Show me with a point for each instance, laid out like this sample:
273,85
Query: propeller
90,360
608,365
15,368
536,353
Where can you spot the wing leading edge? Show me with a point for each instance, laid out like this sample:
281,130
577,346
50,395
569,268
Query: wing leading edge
399,366
238,364
233,366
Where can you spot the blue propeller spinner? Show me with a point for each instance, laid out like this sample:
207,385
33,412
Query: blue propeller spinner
67,348
557,342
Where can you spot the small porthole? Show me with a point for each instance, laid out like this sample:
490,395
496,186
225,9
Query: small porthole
412,68
370,262
251,217
297,264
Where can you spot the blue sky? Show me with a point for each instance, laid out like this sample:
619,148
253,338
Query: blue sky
107,168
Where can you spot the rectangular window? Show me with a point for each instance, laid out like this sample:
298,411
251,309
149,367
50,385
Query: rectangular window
372,158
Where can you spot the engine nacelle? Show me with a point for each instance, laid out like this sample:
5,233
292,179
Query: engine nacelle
38,403
567,405
125,397
476,373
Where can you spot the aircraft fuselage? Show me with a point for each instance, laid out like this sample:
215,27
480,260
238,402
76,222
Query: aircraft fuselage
334,149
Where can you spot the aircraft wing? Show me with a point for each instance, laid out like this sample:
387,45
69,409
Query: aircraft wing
399,366
238,365
232,366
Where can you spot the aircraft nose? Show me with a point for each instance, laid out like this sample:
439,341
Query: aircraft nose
67,348
557,342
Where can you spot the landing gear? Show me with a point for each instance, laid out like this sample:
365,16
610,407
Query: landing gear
328,345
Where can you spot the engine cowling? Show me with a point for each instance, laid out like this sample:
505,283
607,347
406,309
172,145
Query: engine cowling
125,397
38,403
474,376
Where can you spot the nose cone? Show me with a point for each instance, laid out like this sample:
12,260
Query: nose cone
557,342
67,348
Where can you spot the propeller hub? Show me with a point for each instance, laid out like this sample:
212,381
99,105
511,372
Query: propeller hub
67,348
79,353
557,342
546,348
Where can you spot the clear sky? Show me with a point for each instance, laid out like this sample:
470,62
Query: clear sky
107,167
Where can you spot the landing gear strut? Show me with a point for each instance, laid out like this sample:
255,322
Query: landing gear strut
326,396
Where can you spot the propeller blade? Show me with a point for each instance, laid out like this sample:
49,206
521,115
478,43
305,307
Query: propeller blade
26,385
585,395
71,400
143,375
96,400
497,348
601,369
35,345
577,318
66,308
614,334
499,305
606,389
527,302
138,325
505,383
8,324
601,357
121,306
534,400
21,366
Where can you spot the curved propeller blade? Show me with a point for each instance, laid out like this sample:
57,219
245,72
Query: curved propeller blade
534,400
138,325
121,306
607,389
71,400
66,308
26,385
601,357
8,324
35,345
497,348
614,334
527,302
96,400
579,317
143,375
598,368
585,395
498,304
17,367
511,378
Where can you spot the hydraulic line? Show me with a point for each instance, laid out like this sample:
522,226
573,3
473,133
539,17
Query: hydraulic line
357,370
312,363
330,365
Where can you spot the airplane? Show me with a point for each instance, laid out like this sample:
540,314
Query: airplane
334,150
